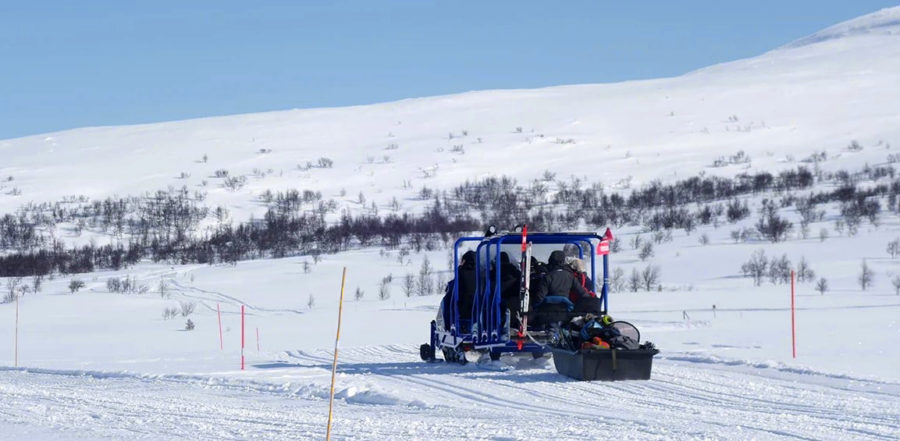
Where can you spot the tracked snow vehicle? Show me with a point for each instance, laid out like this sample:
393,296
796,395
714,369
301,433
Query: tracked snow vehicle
484,313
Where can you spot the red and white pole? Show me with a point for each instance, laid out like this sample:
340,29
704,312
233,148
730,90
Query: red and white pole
793,322
257,339
221,339
17,332
242,337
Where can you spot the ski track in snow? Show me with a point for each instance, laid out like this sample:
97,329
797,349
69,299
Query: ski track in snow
688,398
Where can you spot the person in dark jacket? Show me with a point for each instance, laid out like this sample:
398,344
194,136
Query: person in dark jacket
510,283
550,302
510,277
466,284
559,280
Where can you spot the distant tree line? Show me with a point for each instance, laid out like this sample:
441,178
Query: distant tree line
165,226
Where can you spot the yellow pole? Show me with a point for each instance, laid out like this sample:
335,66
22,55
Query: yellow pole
334,365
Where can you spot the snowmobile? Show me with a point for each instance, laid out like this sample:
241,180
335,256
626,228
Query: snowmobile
490,321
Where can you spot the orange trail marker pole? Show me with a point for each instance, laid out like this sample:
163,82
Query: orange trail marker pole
334,365
257,339
242,337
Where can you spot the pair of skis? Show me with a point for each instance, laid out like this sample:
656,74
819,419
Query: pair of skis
524,288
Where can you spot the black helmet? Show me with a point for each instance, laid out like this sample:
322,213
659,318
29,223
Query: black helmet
557,258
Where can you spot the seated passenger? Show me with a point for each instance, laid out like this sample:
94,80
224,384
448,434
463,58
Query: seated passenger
466,293
592,303
510,278
578,270
550,295
560,280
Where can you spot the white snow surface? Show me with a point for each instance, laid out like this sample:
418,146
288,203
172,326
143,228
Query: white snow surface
99,365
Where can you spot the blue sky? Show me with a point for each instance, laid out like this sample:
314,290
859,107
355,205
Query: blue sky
71,64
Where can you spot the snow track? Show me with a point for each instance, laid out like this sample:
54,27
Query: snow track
385,393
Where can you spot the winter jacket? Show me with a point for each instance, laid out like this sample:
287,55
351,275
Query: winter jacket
466,282
559,280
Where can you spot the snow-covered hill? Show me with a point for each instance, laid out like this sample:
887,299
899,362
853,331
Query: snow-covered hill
725,371
819,93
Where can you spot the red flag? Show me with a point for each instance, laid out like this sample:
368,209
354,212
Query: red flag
608,235
603,248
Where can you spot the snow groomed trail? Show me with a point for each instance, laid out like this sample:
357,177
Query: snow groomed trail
391,395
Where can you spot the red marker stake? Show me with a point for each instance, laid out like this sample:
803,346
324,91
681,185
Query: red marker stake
793,325
17,332
257,339
242,337
221,340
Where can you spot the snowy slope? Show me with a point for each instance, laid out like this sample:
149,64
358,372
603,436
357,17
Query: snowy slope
817,94
99,365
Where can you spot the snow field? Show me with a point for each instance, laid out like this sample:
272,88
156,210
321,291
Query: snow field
100,365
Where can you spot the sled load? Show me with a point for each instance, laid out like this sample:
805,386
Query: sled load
546,303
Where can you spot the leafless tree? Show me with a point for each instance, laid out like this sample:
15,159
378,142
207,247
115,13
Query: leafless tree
650,276
409,285
187,308
866,276
822,286
634,281
893,248
756,267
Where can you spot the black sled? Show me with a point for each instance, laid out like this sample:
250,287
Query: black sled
604,364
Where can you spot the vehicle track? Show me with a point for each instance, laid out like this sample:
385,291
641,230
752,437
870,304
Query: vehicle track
684,400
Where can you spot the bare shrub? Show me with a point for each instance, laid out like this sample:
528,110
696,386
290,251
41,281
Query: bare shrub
771,226
822,286
75,285
866,276
12,289
409,284
127,285
756,267
617,281
424,284
169,313
646,251
634,281
804,272
187,308
650,276
780,270
235,183
893,248
384,289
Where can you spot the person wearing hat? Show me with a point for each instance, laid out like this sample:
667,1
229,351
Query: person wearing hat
559,280
579,270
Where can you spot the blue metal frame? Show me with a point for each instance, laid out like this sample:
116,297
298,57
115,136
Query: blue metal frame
486,326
